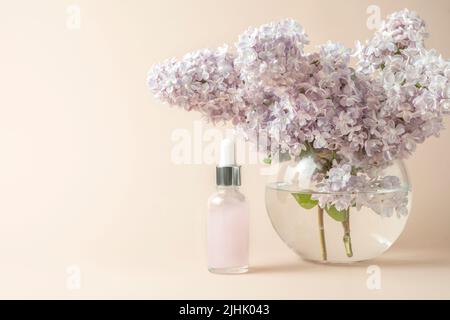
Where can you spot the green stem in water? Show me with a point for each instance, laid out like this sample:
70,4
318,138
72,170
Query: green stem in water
323,245
347,238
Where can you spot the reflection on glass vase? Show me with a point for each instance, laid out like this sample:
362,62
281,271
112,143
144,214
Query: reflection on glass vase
309,222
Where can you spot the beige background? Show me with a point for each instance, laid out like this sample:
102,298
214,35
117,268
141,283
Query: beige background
86,177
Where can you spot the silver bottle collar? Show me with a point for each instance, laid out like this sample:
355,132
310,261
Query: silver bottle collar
228,176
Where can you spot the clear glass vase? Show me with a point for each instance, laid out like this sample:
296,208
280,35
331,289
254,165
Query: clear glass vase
316,234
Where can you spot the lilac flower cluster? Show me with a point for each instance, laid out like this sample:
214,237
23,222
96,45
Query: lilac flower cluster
363,117
205,81
409,88
272,54
402,30
342,189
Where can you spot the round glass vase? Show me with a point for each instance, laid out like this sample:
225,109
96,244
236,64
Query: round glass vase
317,234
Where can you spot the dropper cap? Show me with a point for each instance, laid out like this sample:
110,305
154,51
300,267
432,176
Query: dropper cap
228,173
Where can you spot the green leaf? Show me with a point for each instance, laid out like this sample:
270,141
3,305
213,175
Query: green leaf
418,85
304,200
278,158
337,215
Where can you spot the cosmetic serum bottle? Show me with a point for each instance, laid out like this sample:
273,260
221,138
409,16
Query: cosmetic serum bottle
228,217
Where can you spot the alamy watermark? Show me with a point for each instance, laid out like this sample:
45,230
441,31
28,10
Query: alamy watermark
374,20
73,278
373,281
73,18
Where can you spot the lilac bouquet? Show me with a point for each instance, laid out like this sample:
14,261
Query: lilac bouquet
356,120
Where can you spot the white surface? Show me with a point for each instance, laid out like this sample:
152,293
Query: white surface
409,274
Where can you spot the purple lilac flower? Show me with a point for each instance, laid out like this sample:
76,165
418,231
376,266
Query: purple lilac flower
204,81
365,117
271,54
